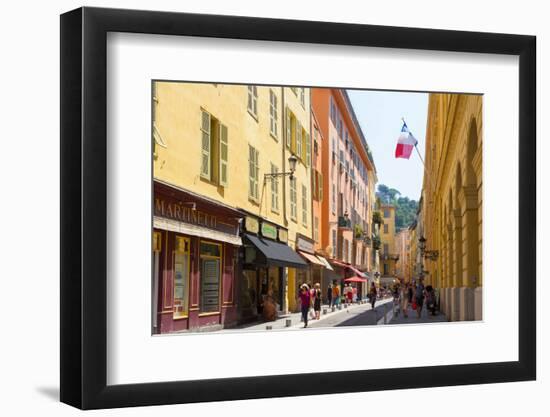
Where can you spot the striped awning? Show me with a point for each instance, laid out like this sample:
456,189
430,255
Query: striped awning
311,258
326,264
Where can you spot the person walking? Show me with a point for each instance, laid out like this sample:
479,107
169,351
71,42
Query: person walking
305,302
354,294
317,301
350,294
430,299
329,295
372,295
406,295
419,297
336,294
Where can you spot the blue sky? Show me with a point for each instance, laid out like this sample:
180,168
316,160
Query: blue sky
379,114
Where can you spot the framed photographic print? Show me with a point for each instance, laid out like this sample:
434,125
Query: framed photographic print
256,208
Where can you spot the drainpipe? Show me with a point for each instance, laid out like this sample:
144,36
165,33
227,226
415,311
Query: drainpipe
285,306
284,139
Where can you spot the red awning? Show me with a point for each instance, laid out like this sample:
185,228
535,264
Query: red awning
343,265
355,279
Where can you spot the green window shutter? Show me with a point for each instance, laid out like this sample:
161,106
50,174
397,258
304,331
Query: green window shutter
256,172
205,146
314,184
224,149
298,149
288,128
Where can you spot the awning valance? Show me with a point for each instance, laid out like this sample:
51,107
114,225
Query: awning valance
275,253
325,262
311,258
194,230
343,265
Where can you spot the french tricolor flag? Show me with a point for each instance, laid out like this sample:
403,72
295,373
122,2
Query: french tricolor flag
405,143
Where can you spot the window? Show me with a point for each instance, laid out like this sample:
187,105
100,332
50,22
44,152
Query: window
274,190
303,97
273,114
206,142
345,250
181,278
292,128
214,150
320,185
386,249
316,229
210,272
293,200
385,228
386,269
304,205
253,172
386,213
317,185
332,111
334,244
253,100
333,206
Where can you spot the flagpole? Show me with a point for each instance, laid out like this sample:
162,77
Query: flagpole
420,156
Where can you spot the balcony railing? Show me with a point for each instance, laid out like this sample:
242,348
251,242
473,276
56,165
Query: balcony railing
344,222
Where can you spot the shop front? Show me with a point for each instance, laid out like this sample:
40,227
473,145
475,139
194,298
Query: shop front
265,259
342,274
196,244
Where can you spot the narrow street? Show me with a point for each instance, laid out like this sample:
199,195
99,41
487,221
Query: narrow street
361,315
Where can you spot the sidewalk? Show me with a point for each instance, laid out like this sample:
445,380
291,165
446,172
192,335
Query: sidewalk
295,318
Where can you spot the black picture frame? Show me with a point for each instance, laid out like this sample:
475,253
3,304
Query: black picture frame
84,207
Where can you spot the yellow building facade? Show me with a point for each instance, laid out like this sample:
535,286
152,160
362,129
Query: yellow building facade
403,249
388,251
452,199
219,141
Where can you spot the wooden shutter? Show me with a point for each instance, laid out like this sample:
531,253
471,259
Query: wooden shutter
224,149
288,128
205,146
314,184
320,184
298,143
308,150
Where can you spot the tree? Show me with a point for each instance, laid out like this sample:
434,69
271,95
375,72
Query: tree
405,208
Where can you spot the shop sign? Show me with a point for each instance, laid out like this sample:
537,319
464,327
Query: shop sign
177,210
283,235
304,245
268,230
251,224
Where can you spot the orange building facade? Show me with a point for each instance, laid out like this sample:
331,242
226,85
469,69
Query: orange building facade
348,180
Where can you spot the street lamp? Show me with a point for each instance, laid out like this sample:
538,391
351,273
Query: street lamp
291,165
427,254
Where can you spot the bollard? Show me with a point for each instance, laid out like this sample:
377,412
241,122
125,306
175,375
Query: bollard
324,311
333,309
288,323
269,327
